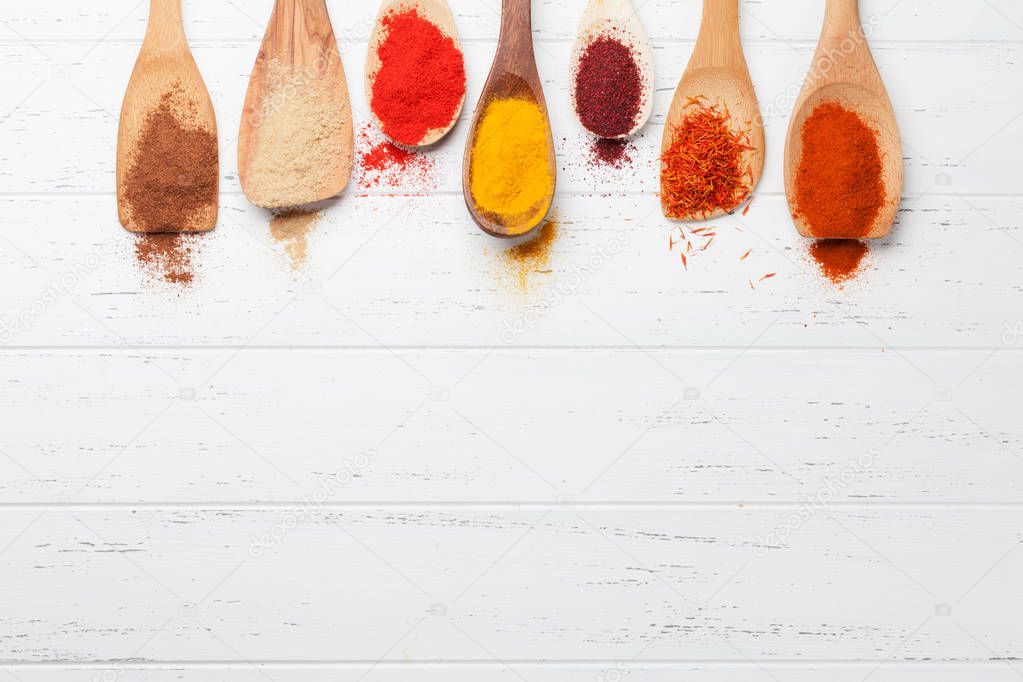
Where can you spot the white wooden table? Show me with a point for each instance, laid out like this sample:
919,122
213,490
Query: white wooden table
357,472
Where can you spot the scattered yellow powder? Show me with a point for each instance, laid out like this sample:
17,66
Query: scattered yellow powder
292,228
300,135
533,256
510,175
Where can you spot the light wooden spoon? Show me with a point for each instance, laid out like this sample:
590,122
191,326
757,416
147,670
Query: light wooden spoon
512,76
844,72
439,14
718,75
164,64
299,39
618,19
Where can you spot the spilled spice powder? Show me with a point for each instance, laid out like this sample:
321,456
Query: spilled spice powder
384,164
420,85
167,257
172,178
533,256
611,153
608,87
292,229
839,190
839,259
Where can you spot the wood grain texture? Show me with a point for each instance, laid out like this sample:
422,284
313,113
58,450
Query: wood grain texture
843,71
164,65
717,76
299,38
532,584
437,12
513,75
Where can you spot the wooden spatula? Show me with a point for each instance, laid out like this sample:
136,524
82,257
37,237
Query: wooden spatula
843,71
299,47
718,76
512,76
164,67
618,19
439,14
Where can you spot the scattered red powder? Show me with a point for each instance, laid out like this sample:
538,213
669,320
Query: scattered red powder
383,164
616,153
420,85
839,259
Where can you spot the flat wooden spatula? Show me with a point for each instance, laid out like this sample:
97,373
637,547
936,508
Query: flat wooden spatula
296,143
165,76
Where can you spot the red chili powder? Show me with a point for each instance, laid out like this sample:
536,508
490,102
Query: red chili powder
838,259
608,87
383,164
839,191
421,81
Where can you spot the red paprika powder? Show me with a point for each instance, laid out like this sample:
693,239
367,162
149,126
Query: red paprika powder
420,84
839,190
838,259
608,87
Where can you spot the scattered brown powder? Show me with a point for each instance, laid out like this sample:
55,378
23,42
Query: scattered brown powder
300,136
167,257
292,228
533,256
173,174
839,259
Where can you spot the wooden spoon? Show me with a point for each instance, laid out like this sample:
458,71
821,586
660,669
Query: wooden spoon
439,14
512,76
299,41
717,75
844,72
618,19
164,64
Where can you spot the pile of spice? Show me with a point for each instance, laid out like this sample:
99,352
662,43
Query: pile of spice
838,259
167,257
610,153
533,256
510,176
420,84
383,164
172,178
608,87
839,188
292,229
705,169
301,134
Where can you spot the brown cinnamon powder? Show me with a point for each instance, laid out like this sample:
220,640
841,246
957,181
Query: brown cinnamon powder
167,257
173,172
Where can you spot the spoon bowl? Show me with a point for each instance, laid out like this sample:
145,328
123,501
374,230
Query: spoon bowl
717,75
299,44
617,19
439,14
513,76
844,73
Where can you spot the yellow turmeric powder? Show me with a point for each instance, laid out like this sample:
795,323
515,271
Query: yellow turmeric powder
509,174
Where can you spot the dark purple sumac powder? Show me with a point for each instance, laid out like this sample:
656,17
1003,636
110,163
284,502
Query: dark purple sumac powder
608,87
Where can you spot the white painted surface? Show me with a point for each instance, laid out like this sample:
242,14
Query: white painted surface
589,499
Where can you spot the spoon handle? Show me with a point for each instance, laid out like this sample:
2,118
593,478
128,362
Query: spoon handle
516,40
165,29
719,42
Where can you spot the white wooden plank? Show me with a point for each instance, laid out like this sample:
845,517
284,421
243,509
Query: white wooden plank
415,272
517,672
463,427
480,585
956,141
938,20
